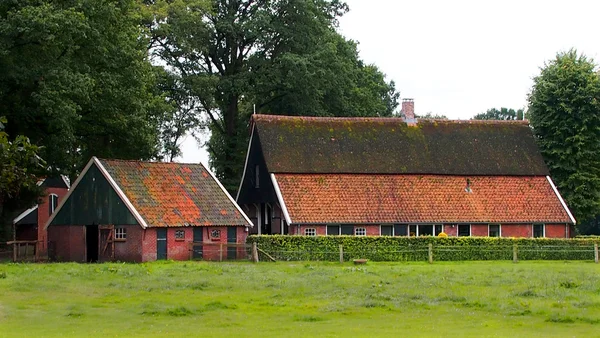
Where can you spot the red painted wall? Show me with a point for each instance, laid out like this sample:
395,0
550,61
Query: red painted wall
555,230
517,230
451,230
479,230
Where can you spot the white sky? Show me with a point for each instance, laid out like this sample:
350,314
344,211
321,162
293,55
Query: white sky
460,58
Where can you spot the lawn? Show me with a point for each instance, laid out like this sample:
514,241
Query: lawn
301,299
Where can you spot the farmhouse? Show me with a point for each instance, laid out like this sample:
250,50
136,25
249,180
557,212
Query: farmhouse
399,177
142,211
29,225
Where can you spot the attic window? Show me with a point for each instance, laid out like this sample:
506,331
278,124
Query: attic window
256,176
53,203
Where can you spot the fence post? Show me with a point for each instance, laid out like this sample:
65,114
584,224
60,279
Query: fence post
515,258
254,252
596,252
430,252
341,254
15,248
220,252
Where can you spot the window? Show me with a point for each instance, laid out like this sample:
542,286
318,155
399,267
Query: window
387,230
310,232
464,230
256,176
412,230
53,203
333,230
425,230
179,235
494,230
400,230
438,229
120,234
215,234
538,230
360,232
347,230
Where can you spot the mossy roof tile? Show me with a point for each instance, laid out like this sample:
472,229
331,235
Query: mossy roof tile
174,194
293,144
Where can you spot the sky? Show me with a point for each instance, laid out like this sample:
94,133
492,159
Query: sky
460,58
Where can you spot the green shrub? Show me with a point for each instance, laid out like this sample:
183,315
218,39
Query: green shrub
387,248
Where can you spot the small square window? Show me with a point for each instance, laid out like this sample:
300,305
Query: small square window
494,230
310,232
215,234
179,235
120,234
360,232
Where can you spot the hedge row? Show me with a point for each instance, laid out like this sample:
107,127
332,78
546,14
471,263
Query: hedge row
385,248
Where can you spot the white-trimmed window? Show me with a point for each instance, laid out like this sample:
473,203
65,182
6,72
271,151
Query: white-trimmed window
52,203
464,230
120,234
360,231
310,232
179,235
215,234
539,230
493,230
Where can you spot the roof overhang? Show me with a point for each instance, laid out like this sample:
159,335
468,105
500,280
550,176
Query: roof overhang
250,224
237,196
562,202
286,214
24,214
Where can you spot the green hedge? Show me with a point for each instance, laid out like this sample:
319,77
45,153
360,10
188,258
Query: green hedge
385,248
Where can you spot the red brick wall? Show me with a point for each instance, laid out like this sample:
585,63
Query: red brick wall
555,230
479,230
321,229
180,250
130,250
517,230
43,216
68,242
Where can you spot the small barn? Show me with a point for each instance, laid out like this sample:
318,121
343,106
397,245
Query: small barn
138,211
29,225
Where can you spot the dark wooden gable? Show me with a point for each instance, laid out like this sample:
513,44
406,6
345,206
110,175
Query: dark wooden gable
93,201
249,193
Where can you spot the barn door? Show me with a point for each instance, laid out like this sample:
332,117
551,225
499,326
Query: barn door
231,239
198,238
106,243
161,243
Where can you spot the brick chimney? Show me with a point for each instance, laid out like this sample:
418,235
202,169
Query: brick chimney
408,109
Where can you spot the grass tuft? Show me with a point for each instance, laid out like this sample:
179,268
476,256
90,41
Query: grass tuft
308,318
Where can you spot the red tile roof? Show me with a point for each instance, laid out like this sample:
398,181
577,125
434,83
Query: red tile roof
352,198
174,194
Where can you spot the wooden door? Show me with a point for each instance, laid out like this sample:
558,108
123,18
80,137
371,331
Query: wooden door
231,239
106,243
198,238
161,243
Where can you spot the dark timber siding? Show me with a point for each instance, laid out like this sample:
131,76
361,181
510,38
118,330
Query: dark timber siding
249,193
94,201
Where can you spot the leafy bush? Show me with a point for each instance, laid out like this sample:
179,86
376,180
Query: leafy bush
386,248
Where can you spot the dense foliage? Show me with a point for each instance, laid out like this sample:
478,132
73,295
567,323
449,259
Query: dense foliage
19,166
224,59
75,79
385,248
564,109
500,114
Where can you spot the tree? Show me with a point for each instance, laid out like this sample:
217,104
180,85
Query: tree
75,78
431,115
501,114
19,167
276,56
564,108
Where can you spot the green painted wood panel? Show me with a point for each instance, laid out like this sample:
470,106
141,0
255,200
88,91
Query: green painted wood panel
94,201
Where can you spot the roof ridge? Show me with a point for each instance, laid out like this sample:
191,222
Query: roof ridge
150,162
256,117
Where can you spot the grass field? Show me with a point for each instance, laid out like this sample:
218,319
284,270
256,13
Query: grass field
301,299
